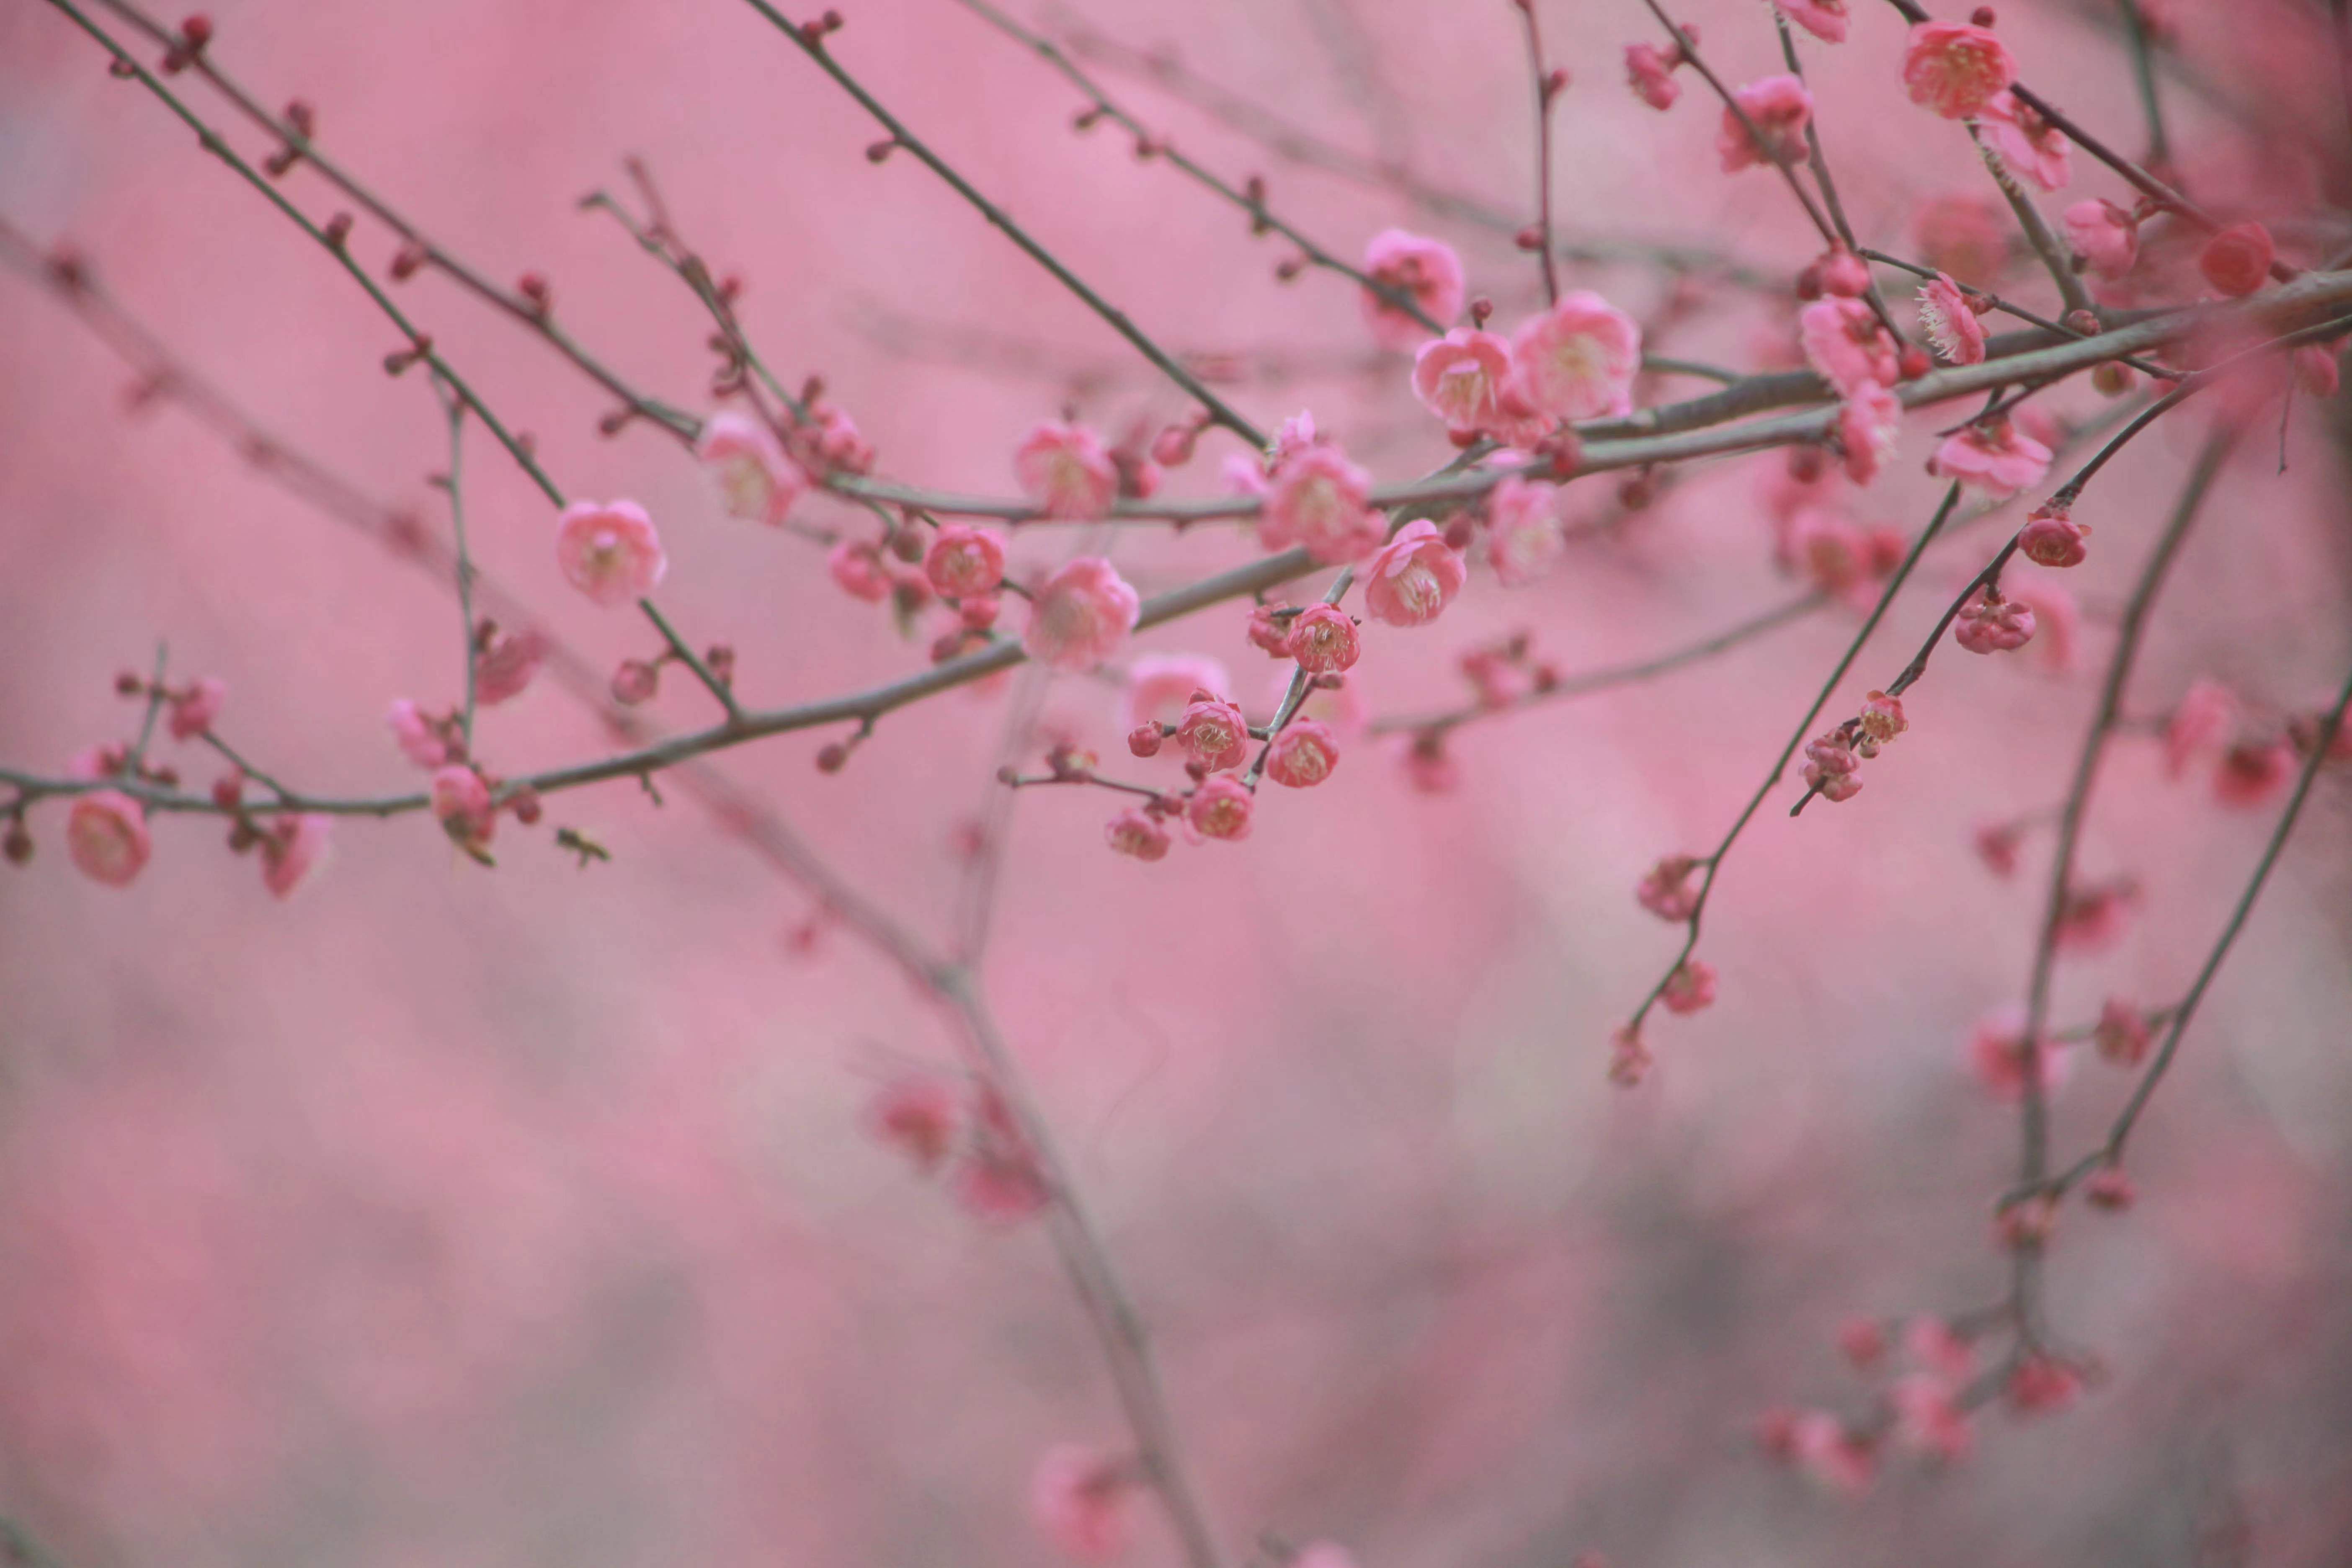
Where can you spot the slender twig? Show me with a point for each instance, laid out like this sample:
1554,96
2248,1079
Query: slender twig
454,483
2056,259
1545,91
1818,161
155,696
2143,57
1747,124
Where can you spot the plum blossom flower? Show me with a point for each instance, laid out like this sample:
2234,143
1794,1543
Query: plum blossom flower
1935,1349
918,1115
1414,576
1081,616
2003,1058
1781,109
1213,732
1161,685
1998,459
1956,69
1832,554
1830,768
1650,71
1577,360
1464,378
420,740
759,481
1869,424
1323,501
1824,19
2199,722
1690,989
2237,260
194,711
2104,235
1523,537
2092,920
505,663
1079,1500
1927,1418
1844,342
1990,624
1138,836
1666,890
1303,755
293,851
837,442
107,837
1950,321
1324,640
1425,269
461,800
964,562
2051,537
1066,471
1219,808
856,565
1829,1455
609,551
2042,1383
2029,145
2253,773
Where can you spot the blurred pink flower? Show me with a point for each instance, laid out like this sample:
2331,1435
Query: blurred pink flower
1081,616
107,837
1523,536
292,852
505,664
1781,109
2104,235
1843,341
421,741
1132,833
1869,420
2200,720
1161,685
1220,808
194,711
965,561
758,480
1066,471
1999,459
1320,499
1303,755
1425,269
1956,69
1413,577
609,551
918,1114
2002,1058
2253,773
1650,71
1824,19
2029,145
1949,321
1577,360
855,566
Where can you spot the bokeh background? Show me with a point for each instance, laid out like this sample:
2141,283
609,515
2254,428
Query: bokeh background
529,1216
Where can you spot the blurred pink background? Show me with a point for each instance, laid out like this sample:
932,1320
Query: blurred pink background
466,1219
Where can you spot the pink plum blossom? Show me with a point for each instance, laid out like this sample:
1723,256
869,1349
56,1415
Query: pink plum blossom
107,837
1303,755
1413,577
1690,988
1219,808
1869,425
920,1115
420,740
1136,835
1824,19
2104,235
758,479
2002,1058
1781,109
2028,144
1523,536
1844,342
2122,1034
1464,378
1998,458
1325,640
193,711
505,663
1323,501
1665,888
1650,71
1950,321
964,562
1577,360
1425,269
856,569
1956,69
1082,616
292,850
1987,623
2253,773
2201,722
1927,1418
2051,537
1066,471
2238,259
609,551
461,800
1213,732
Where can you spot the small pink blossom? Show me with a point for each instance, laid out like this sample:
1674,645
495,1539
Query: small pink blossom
2042,1383
292,850
2121,1035
1690,989
1414,576
194,711
964,562
1881,721
918,1115
1831,769
1464,378
2105,235
1219,808
421,741
461,800
1843,341
2029,145
759,481
1999,460
1990,625
1161,685
2201,722
2051,537
1665,888
1425,269
1577,360
1323,501
1629,1057
1831,553
1956,69
1523,536
505,663
1927,1419
1829,1455
1870,422
2253,773
1936,1350
1079,1500
1081,616
1325,640
1134,834
1066,471
2238,259
107,837
1950,322
837,442
1781,109
856,565
1824,19
2094,919
609,551
1842,272
2002,1057
1303,755
1650,71
1213,732
2109,1189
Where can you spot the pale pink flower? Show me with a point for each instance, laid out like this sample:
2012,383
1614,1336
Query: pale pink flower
2051,537
1829,1455
1325,640
2002,1057
965,561
505,664
461,800
1414,576
1650,71
1133,833
293,851
1824,19
2238,259
1665,888
1303,755
1577,360
1523,536
2122,1034
920,1115
107,837
1949,321
1323,501
2201,722
759,481
2104,235
855,566
1460,378
1081,616
1928,1420
2253,773
1219,808
1161,685
194,711
1832,554
1956,69
609,551
1999,460
421,741
1690,989
1844,342
2042,1383
1425,269
837,442
1213,734
1988,625
1782,108
1067,471
1079,1500
2028,144
1870,422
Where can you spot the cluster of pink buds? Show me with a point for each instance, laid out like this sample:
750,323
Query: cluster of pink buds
1987,623
1650,71
1833,760
943,1125
1666,889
